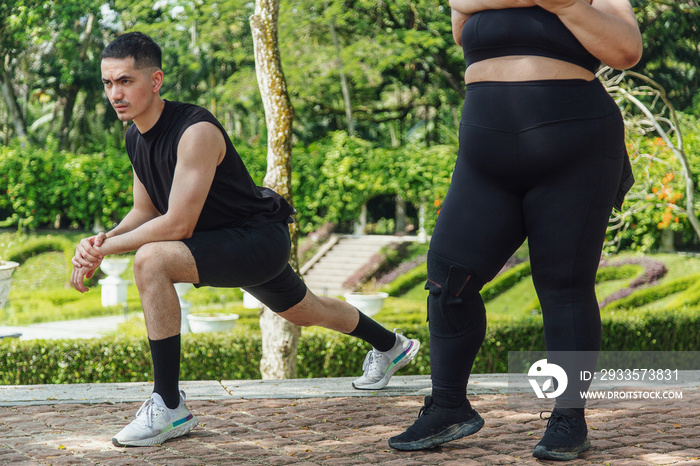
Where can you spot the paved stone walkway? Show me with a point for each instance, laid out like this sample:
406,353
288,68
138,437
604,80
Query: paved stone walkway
339,431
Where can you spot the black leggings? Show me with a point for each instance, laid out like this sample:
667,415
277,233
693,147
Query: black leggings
537,159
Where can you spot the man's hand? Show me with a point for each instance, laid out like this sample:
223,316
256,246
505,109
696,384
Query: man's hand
87,253
78,274
86,260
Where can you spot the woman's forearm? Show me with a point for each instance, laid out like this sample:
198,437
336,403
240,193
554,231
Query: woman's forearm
607,28
469,7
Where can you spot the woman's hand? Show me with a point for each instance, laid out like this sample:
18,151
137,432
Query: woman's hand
458,20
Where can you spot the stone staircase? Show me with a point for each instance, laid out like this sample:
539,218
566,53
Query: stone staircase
339,258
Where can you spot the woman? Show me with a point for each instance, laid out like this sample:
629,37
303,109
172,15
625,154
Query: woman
541,156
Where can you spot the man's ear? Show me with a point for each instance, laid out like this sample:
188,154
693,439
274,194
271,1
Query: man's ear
157,80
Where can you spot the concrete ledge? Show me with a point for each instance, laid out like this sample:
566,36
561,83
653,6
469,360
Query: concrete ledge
100,393
412,385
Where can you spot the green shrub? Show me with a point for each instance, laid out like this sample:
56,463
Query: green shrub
35,246
321,353
621,272
688,298
407,281
506,280
653,293
40,187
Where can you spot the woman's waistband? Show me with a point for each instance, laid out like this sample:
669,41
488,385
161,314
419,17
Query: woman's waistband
518,105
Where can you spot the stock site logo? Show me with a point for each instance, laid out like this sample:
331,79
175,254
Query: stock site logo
543,369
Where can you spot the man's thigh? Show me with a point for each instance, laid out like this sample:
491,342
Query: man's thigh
240,257
171,258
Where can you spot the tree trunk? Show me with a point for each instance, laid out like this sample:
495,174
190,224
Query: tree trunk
279,337
73,90
400,225
8,94
343,79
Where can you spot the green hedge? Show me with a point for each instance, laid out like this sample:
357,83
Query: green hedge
407,281
36,246
38,185
621,272
505,281
331,181
654,293
321,353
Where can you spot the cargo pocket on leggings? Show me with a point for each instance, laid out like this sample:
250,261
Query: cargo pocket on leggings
448,302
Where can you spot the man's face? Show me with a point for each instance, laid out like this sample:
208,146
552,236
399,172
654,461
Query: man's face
129,90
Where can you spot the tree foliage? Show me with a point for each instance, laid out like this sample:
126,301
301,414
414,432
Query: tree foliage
403,88
671,33
403,71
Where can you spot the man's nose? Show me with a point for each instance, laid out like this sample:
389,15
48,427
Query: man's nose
114,93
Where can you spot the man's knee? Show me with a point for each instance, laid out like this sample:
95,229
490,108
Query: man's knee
148,262
454,302
301,314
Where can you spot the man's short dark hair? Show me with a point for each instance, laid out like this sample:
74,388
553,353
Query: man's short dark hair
139,46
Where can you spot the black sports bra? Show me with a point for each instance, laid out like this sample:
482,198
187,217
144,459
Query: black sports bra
522,31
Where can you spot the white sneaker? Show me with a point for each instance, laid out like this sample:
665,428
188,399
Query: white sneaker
155,423
380,366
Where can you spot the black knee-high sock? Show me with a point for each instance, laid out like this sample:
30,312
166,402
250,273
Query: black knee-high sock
166,369
374,333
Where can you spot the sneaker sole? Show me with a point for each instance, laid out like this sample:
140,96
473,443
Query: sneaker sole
453,432
160,438
385,380
541,452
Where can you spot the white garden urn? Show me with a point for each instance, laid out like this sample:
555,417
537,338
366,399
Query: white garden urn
182,289
216,322
367,303
7,268
114,287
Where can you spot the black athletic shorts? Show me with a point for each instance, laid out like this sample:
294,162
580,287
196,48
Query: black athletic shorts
253,256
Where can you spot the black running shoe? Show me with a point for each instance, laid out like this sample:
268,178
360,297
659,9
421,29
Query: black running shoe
436,425
566,436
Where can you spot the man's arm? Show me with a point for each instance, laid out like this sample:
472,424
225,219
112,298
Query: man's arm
199,152
87,253
201,149
142,211
607,28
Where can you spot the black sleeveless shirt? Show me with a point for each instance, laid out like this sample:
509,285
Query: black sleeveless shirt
233,198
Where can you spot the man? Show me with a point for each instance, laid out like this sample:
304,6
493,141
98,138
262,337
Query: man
199,218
